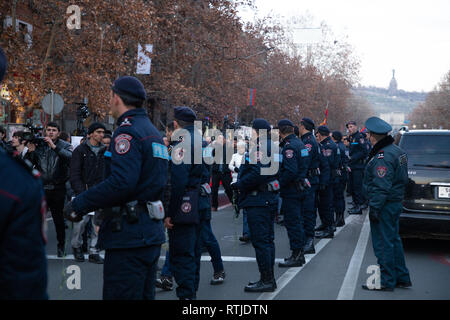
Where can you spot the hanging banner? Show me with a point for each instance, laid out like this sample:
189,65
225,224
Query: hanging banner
251,97
144,62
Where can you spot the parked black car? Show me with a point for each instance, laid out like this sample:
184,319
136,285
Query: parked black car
426,207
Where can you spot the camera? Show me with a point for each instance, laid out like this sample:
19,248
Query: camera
34,135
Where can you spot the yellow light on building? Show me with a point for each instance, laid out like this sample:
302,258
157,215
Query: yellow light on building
4,93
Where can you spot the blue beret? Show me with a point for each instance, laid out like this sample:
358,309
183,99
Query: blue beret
323,130
337,135
184,114
308,123
378,126
260,124
285,122
3,64
129,87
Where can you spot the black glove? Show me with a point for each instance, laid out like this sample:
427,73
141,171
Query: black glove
70,214
374,215
236,170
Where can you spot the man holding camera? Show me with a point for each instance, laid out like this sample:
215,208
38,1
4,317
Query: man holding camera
51,156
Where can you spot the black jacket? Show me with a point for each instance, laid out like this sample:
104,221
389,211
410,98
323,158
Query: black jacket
53,164
221,167
86,169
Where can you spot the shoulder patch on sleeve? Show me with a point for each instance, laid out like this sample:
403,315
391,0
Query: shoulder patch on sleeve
126,122
381,171
160,151
304,153
309,147
123,136
289,154
122,146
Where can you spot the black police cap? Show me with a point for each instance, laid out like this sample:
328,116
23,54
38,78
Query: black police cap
308,123
323,130
129,87
378,126
285,122
259,124
3,64
185,114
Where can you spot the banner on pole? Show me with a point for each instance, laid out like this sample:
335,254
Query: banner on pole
251,97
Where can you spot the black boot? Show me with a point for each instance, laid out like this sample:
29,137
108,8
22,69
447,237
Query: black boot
327,233
309,246
320,228
78,254
266,284
296,260
355,210
61,252
340,222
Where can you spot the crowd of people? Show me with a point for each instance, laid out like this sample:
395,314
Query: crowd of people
119,192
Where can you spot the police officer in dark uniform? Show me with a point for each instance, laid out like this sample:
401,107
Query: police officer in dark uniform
132,231
309,200
325,203
23,261
358,154
293,171
365,205
385,180
339,187
185,208
259,197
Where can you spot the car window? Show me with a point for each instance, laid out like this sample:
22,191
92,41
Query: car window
427,150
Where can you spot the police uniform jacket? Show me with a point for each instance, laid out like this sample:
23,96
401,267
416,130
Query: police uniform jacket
358,151
139,161
343,163
324,166
251,182
294,166
311,144
332,154
23,261
185,175
386,174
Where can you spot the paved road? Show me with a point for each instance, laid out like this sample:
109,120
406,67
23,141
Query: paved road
336,271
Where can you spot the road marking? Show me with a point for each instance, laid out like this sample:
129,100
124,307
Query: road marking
224,206
292,272
348,287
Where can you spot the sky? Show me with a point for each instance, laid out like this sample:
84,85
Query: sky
412,37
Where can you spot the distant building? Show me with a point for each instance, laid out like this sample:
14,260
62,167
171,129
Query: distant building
395,119
393,85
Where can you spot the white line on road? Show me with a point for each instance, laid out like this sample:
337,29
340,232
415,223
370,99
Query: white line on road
348,287
292,272
224,206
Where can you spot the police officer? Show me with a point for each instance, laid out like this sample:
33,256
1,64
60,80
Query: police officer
385,180
308,207
131,232
259,197
325,204
23,261
293,171
358,154
338,191
183,218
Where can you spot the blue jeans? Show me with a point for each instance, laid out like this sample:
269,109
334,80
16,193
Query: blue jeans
209,241
165,272
245,229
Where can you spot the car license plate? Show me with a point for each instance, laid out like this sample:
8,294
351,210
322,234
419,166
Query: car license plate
444,192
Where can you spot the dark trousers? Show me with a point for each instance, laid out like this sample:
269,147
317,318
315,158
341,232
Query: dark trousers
209,241
55,202
388,247
338,197
325,206
291,210
261,223
356,176
130,274
185,253
308,209
226,181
